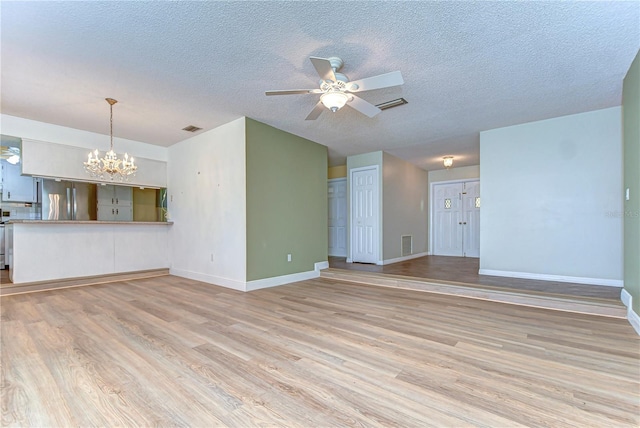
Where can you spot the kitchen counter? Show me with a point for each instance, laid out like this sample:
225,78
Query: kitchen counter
49,222
50,250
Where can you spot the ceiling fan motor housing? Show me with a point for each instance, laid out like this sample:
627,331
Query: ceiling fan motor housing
336,63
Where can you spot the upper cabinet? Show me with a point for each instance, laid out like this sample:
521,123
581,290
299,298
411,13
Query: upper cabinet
115,203
17,187
44,159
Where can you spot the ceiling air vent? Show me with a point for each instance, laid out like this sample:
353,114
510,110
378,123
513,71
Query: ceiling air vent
191,128
391,104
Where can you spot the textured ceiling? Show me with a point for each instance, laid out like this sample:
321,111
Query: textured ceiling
467,66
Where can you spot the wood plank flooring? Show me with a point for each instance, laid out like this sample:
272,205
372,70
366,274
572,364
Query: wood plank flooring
465,270
514,296
168,351
4,277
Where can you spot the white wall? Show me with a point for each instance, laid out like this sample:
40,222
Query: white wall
551,199
45,159
404,206
207,201
463,173
31,129
59,152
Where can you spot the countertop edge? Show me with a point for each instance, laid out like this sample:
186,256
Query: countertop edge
96,222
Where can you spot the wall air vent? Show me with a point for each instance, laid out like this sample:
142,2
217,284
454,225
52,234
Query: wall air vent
391,104
191,128
407,245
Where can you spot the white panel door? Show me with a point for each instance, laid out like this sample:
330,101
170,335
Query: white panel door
471,218
456,219
364,216
447,226
337,191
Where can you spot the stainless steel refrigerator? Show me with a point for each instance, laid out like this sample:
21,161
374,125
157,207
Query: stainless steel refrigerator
68,200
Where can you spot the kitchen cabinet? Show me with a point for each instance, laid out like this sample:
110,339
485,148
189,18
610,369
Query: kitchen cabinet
115,195
115,203
115,213
16,187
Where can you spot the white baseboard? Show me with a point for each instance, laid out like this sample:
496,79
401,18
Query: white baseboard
210,279
281,280
632,317
255,284
559,278
626,298
321,265
402,259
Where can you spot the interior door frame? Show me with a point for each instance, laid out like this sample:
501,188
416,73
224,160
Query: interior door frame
378,229
431,206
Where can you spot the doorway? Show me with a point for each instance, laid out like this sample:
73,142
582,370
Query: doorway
337,191
455,209
365,208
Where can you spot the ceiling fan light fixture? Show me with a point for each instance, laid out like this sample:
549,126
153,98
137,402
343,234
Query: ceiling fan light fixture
334,101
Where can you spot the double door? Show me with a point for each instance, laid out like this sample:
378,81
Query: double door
456,219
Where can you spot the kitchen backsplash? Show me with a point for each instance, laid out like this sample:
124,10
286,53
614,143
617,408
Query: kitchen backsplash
19,211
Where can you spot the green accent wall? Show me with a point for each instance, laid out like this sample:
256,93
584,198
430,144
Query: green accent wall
287,202
631,156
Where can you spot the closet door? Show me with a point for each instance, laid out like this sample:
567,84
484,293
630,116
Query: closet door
337,191
365,225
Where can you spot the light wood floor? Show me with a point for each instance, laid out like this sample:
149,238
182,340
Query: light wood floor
173,352
465,270
4,277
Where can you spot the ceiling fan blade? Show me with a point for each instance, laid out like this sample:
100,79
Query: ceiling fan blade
316,111
376,82
294,91
323,67
363,107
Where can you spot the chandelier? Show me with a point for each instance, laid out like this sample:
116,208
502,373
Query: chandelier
110,166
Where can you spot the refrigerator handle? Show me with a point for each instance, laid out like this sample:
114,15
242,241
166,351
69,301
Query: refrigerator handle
69,204
75,204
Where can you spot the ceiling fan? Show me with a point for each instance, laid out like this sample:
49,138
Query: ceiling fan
337,91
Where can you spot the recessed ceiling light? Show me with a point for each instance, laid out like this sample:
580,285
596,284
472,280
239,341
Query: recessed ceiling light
191,128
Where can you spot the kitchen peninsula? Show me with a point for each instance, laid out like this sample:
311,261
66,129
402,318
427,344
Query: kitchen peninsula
42,250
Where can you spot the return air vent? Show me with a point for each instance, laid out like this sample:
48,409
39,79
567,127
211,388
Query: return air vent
191,128
391,104
407,245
